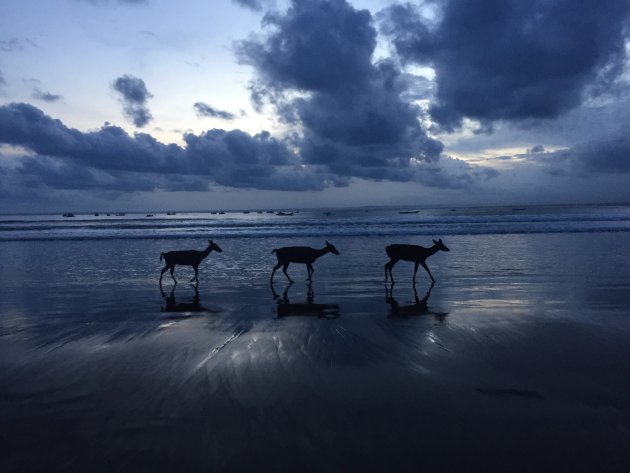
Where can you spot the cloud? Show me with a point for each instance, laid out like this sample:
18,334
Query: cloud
315,68
205,110
604,155
256,5
46,96
2,79
134,97
10,45
109,158
512,60
121,2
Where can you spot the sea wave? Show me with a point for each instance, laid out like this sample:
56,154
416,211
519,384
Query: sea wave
317,224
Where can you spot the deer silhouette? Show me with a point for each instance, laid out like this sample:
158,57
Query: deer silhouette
300,254
414,253
186,258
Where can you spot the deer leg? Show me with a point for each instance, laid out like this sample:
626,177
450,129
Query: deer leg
162,273
172,275
309,268
424,265
388,268
284,270
196,278
275,268
415,270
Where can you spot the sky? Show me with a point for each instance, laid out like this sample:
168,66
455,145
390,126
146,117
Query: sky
147,105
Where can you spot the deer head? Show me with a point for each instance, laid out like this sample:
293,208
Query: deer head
331,248
440,245
214,246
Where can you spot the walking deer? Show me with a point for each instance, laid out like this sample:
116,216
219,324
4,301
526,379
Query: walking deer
186,258
415,253
300,254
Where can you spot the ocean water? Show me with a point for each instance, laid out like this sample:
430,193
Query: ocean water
320,223
517,359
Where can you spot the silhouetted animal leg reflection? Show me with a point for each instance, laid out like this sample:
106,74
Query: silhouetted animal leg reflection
194,305
419,307
287,308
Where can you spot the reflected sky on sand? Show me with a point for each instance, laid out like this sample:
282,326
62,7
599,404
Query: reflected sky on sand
507,364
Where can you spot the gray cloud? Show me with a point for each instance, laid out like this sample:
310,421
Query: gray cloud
355,119
205,110
121,2
605,155
37,172
111,159
512,60
2,79
46,96
10,45
134,97
256,5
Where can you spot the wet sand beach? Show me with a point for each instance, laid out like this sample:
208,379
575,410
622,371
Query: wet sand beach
518,359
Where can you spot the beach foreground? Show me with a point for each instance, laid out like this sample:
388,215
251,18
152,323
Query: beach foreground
516,360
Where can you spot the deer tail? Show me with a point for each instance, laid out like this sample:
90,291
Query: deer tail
161,256
275,250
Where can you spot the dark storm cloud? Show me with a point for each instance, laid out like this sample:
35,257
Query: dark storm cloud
509,59
111,157
355,120
134,97
37,172
46,96
235,158
205,110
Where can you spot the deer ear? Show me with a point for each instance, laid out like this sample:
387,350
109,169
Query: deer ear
435,242
327,242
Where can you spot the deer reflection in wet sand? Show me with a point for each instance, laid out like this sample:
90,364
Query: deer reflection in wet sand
190,306
419,307
286,308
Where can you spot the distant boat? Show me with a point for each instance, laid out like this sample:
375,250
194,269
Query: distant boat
246,212
149,215
96,214
120,214
171,213
284,214
221,213
408,211
68,214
